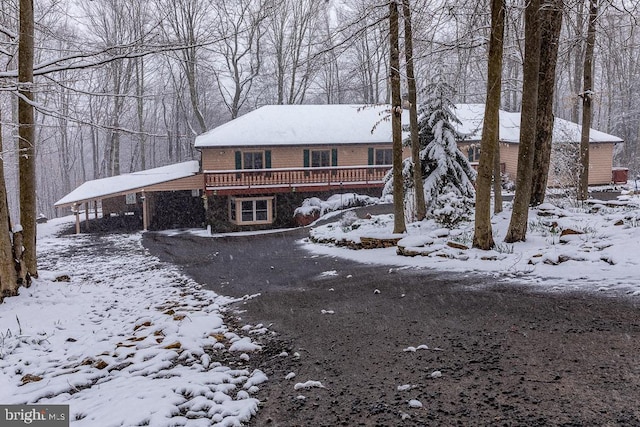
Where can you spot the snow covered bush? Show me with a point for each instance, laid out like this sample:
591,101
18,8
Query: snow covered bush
309,207
451,208
347,220
334,203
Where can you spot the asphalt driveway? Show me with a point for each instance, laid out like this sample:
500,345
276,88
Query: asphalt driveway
497,354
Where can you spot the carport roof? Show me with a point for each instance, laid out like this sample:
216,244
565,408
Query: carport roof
128,183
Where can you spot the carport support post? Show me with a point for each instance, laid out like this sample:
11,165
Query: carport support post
87,207
76,211
145,222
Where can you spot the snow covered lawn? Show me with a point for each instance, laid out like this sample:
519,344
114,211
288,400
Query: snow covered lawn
596,248
124,340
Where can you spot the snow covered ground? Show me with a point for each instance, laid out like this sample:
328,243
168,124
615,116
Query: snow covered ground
123,339
127,340
598,251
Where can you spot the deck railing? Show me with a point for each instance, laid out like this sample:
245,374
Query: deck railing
295,177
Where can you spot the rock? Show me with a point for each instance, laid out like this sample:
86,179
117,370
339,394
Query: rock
457,245
378,242
408,251
62,278
306,219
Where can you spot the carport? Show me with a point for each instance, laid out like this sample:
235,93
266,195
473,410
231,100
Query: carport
130,192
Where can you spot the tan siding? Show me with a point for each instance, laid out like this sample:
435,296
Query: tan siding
292,157
600,163
218,159
509,156
195,182
289,157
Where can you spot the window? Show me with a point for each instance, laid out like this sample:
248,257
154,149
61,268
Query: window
130,199
251,211
252,160
384,156
473,154
320,159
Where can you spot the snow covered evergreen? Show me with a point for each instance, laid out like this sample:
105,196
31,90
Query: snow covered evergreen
446,172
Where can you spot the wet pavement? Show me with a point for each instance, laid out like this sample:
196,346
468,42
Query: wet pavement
507,355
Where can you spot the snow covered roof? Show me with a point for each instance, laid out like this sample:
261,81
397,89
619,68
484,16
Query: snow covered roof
472,116
333,124
100,188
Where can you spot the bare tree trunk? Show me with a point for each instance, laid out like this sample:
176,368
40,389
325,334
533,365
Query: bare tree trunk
587,94
483,235
578,61
520,215
396,120
421,208
497,180
95,144
142,138
26,134
8,278
550,26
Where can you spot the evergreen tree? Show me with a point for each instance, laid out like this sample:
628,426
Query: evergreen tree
446,173
445,169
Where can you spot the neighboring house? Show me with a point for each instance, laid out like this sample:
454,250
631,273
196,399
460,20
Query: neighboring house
601,145
255,170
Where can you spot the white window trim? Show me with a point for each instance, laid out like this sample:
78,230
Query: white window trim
237,202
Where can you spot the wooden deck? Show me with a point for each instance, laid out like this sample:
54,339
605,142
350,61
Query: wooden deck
259,181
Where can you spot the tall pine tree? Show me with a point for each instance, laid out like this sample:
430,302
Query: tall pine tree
444,167
445,170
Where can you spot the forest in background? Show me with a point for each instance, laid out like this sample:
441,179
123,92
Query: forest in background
122,86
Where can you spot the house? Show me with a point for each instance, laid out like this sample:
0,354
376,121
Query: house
601,145
259,167
255,170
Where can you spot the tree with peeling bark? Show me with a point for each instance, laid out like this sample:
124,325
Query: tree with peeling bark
520,214
420,205
399,225
550,26
587,95
489,149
